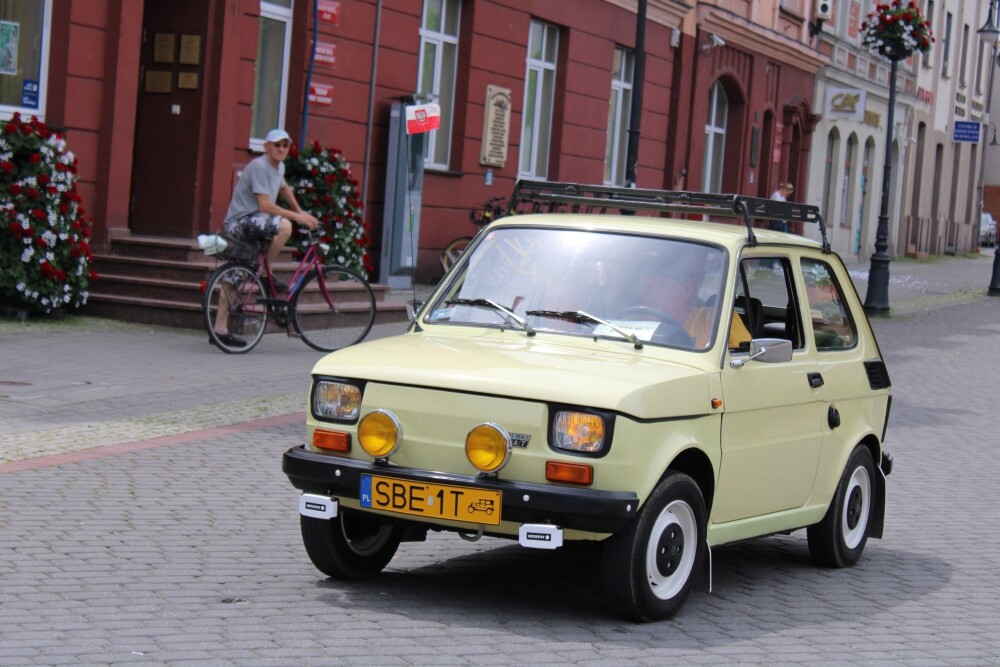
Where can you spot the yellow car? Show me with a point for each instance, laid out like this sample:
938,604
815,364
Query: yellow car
605,369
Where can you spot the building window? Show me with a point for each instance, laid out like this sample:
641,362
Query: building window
979,67
946,45
715,138
618,116
962,75
271,83
438,62
539,95
929,15
24,54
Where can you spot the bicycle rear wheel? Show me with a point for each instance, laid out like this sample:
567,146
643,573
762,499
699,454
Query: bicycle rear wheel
242,289
333,308
453,251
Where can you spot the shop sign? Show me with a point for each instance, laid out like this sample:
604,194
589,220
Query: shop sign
321,95
329,12
966,131
326,54
845,103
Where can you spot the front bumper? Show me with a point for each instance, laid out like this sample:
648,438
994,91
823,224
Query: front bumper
568,507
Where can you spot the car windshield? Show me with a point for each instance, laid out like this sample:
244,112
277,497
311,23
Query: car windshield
642,289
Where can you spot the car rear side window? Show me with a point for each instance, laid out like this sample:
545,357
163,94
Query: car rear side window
832,325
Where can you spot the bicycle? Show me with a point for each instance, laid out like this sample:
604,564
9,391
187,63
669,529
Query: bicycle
329,306
480,216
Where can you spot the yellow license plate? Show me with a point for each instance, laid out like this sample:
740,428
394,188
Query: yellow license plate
432,501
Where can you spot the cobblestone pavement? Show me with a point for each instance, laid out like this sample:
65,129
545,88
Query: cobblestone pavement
145,521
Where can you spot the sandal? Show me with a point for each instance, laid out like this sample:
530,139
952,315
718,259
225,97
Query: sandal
229,340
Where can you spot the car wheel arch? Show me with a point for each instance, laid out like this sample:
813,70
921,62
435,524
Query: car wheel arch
695,463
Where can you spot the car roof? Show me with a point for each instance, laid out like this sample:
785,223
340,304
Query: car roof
729,235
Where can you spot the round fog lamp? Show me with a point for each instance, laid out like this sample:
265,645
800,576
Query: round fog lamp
488,447
379,433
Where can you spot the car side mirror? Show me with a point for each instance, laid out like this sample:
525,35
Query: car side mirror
766,350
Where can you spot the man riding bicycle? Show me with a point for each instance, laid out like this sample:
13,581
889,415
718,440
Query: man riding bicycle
254,214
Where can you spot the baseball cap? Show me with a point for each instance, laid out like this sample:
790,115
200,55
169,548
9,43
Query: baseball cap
276,135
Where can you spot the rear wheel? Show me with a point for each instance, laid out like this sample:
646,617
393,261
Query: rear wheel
651,565
333,308
839,539
238,290
352,545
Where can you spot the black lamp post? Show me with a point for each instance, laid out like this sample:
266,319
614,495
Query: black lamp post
991,32
877,298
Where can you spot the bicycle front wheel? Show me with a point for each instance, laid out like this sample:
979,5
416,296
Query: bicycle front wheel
239,293
453,251
333,308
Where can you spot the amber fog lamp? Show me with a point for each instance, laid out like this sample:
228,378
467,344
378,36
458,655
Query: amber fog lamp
488,447
335,441
336,400
579,431
379,433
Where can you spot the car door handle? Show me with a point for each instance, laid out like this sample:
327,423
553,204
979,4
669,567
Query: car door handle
815,380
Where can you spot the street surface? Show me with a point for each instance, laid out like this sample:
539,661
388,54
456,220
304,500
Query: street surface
145,521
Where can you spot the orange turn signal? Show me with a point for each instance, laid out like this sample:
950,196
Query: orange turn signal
573,473
333,440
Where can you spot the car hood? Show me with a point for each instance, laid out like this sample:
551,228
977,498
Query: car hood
575,371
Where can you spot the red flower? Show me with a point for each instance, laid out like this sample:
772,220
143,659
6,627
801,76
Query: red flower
32,193
43,179
15,189
39,213
35,158
40,242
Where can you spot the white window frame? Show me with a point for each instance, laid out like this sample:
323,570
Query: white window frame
276,12
619,112
7,111
538,147
713,134
439,40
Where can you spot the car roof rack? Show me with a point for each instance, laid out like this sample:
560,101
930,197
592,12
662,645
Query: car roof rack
551,197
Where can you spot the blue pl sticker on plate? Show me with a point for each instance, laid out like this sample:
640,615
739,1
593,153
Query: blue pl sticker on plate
366,491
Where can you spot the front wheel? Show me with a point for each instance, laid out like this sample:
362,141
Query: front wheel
839,539
651,565
333,308
234,309
352,545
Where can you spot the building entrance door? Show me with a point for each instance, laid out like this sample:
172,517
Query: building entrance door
168,118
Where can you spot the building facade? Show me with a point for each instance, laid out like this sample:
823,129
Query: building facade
164,103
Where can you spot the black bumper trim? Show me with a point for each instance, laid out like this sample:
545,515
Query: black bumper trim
567,507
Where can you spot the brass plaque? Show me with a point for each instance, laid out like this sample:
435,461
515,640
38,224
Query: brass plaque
190,50
158,81
187,80
163,47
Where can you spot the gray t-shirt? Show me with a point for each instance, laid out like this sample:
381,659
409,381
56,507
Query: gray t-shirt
258,178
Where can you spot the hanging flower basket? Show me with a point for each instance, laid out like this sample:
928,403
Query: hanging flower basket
322,182
44,250
896,31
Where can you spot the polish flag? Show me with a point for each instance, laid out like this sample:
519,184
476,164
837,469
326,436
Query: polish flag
422,118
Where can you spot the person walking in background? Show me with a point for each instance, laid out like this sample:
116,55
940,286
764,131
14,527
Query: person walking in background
783,192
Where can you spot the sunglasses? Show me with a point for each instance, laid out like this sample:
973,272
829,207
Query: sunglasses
282,144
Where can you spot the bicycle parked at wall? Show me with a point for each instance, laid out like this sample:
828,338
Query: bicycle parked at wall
329,306
480,216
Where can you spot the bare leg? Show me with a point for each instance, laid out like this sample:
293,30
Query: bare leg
222,315
279,240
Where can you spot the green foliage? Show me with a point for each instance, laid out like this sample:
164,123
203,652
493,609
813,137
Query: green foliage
44,253
896,30
322,182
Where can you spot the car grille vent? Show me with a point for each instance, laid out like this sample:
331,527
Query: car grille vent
878,376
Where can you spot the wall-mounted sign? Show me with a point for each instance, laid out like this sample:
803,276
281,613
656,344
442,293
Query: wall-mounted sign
422,118
329,12
966,131
326,54
190,50
496,127
321,95
163,47
29,94
845,103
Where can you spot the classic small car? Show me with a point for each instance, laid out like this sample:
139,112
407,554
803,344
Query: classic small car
621,366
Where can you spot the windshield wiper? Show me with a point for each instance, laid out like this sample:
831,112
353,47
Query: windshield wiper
586,318
493,305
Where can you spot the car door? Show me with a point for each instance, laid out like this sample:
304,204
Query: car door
772,421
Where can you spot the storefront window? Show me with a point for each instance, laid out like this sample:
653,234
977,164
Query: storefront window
271,83
24,43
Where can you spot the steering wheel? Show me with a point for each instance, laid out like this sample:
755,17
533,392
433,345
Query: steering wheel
670,331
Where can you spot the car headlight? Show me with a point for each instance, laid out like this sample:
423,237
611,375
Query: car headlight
579,432
488,447
379,433
335,400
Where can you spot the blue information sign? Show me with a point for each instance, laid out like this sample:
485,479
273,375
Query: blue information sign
29,94
966,131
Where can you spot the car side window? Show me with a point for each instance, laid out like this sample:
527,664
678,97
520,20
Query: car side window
832,325
765,302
